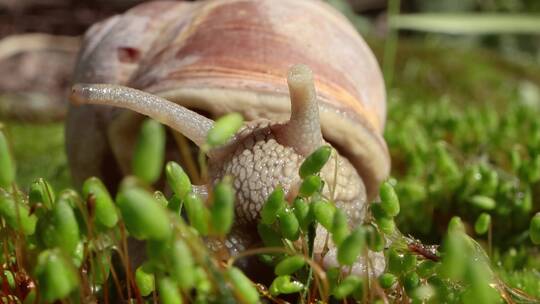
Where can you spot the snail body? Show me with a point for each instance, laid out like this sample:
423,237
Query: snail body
180,59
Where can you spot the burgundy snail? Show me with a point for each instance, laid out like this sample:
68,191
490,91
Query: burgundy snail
175,61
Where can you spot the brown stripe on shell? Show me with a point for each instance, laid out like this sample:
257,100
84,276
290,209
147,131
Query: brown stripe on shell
266,83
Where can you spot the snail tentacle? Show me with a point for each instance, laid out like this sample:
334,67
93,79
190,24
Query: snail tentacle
303,130
191,124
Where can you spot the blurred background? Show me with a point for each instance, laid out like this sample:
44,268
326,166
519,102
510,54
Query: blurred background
501,33
496,34
463,83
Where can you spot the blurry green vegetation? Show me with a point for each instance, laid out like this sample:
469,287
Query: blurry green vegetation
61,245
468,23
426,70
500,6
39,152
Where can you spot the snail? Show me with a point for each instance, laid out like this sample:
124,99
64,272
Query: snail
297,71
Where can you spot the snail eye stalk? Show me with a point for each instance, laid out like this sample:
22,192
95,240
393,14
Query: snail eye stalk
193,125
303,130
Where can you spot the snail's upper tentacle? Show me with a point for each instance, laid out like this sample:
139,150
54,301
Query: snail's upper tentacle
193,125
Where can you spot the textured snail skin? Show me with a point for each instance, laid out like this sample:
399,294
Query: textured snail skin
222,56
260,163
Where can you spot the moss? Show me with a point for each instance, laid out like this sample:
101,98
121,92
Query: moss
39,152
426,70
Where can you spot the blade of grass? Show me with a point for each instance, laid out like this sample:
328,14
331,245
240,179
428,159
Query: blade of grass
468,24
390,47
